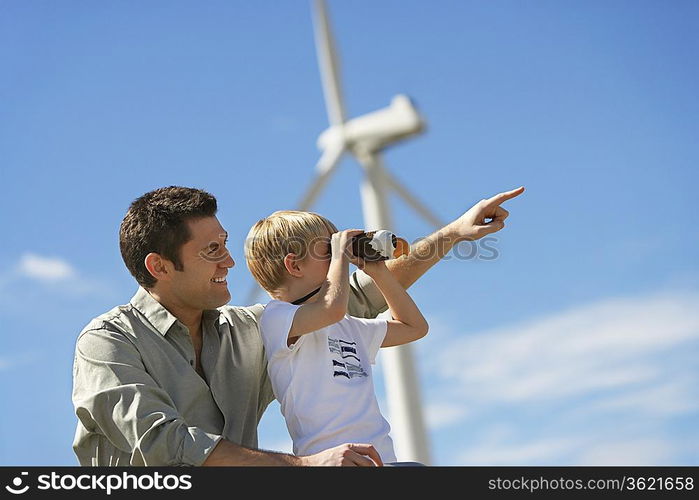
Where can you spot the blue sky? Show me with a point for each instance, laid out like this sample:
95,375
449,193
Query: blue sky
576,345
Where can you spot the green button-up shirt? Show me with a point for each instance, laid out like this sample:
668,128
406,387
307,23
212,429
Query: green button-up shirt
139,399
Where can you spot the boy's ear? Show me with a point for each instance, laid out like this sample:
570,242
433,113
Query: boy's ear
291,263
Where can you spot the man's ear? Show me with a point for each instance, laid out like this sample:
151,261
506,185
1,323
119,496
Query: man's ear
159,267
291,263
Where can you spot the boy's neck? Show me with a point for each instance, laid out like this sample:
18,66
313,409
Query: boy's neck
298,292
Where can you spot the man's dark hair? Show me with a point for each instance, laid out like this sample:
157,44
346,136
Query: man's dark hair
157,222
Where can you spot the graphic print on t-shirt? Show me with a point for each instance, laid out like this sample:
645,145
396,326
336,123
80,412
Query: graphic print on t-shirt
346,362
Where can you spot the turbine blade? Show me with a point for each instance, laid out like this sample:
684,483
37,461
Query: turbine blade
325,167
329,66
411,200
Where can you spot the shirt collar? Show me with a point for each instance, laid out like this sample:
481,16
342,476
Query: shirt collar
157,315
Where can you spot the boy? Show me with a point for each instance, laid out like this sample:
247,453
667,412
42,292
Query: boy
320,357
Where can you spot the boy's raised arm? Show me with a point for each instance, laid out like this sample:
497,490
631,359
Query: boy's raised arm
408,323
333,296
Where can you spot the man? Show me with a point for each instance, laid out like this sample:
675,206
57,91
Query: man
176,377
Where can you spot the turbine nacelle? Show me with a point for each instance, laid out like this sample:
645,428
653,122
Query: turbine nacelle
376,130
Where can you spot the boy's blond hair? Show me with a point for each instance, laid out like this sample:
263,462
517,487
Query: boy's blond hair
275,236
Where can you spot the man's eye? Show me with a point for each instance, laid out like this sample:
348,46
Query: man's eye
215,248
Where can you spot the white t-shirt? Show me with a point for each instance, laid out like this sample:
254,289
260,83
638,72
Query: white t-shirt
324,381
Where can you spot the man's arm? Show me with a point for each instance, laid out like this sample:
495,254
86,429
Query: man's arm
115,397
358,455
485,217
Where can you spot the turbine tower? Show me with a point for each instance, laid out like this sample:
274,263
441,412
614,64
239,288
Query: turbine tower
365,137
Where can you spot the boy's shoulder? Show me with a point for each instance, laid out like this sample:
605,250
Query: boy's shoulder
254,312
275,306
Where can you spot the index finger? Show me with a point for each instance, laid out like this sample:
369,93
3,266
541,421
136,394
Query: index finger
507,195
368,450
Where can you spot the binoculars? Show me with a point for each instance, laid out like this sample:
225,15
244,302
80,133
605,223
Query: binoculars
379,245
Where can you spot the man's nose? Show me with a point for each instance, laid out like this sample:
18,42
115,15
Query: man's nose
228,262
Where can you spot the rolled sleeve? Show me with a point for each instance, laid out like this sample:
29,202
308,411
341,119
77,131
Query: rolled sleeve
198,446
366,300
120,406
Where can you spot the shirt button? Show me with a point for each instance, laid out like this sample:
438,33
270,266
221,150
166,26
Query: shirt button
191,362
